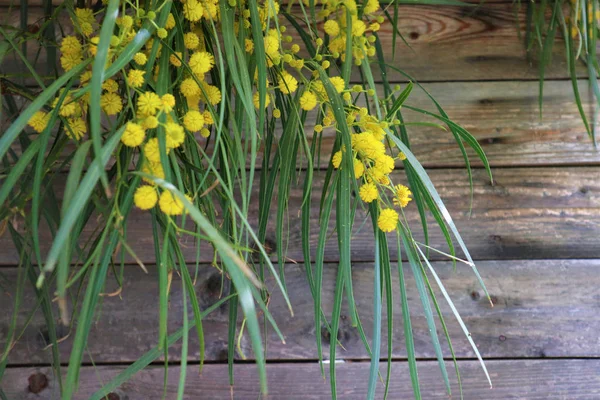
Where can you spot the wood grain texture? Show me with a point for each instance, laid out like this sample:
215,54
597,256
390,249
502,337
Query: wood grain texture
503,116
544,308
448,43
528,213
513,379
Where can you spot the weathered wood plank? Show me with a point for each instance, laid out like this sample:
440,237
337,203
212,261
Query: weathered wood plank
528,213
513,379
503,117
448,43
545,308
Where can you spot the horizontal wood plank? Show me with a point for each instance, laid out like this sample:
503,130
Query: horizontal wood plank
513,379
503,116
528,213
446,44
544,308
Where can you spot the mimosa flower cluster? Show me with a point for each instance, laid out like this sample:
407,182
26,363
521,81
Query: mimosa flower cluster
158,119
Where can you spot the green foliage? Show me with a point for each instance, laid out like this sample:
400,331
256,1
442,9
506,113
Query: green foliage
214,180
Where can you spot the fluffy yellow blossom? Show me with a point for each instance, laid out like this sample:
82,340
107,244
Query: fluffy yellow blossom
85,20
276,113
359,168
388,220
175,59
384,163
208,118
367,145
336,160
150,122
86,76
152,150
75,128
70,45
170,204
193,121
135,78
287,83
68,107
162,33
256,100
110,85
210,10
205,132
133,135
153,168
111,103
189,88
174,134
271,45
170,24
148,103
126,21
140,58
358,28
212,94
338,83
70,61
371,6
191,40
167,102
331,27
39,121
248,45
368,192
402,197
145,197
201,62
193,10
308,100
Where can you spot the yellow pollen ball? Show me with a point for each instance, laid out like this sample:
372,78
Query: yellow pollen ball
402,197
135,78
162,33
359,168
133,135
150,122
368,192
308,101
170,204
193,121
337,159
331,27
111,103
152,150
287,83
145,197
191,41
201,62
140,58
338,83
148,103
175,59
175,135
388,220
167,102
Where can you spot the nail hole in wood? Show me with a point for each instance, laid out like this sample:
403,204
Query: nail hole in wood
37,382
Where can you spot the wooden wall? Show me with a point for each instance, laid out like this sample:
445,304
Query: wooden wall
535,235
